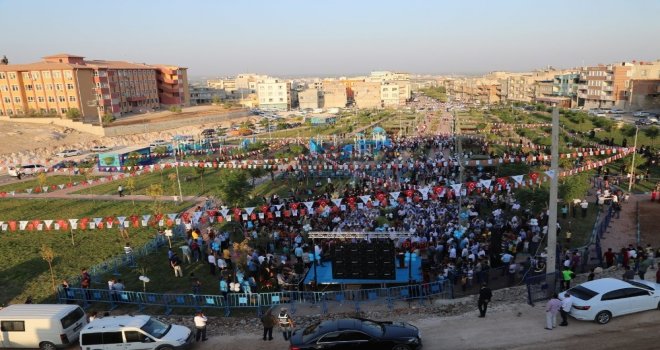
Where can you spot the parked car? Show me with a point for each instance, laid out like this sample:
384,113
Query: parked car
43,326
602,299
68,153
100,149
157,143
134,332
65,164
652,120
28,169
357,333
616,111
641,114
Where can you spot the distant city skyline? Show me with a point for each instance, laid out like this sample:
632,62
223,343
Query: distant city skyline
335,38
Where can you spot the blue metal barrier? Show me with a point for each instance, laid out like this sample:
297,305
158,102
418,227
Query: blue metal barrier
257,301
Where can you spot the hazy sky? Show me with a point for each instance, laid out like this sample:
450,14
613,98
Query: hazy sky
314,37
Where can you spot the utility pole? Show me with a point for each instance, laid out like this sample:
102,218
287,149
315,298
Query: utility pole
552,220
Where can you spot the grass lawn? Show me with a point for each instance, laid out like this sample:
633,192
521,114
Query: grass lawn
50,180
579,226
23,271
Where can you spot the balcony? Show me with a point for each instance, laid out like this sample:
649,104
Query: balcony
582,87
608,78
581,95
607,88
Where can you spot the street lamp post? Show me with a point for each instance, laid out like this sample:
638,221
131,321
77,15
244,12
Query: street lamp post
632,166
176,167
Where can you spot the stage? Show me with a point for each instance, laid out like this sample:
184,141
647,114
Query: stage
324,275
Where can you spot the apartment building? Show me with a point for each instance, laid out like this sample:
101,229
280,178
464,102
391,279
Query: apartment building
335,94
473,90
200,95
389,94
605,86
366,94
274,94
310,98
64,82
645,86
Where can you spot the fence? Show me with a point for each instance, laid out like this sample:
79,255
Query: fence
357,299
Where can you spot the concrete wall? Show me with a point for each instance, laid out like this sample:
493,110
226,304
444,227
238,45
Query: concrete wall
172,124
94,130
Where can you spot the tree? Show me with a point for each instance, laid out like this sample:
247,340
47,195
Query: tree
652,133
73,114
48,255
172,177
155,191
232,187
215,100
200,170
42,179
130,187
133,159
573,187
256,173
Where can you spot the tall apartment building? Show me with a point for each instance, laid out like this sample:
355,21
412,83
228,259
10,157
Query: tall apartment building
94,87
274,94
605,86
335,94
366,94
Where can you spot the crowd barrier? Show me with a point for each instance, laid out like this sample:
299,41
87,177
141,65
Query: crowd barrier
259,302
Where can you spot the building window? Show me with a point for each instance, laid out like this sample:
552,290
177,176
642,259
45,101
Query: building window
35,75
26,75
10,112
46,74
28,87
2,112
30,99
61,98
58,87
51,99
4,87
7,100
38,87
53,110
12,75
72,98
49,87
17,99
69,86
57,74
14,88
67,74
40,99
63,110
2,75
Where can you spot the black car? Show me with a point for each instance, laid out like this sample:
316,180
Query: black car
357,333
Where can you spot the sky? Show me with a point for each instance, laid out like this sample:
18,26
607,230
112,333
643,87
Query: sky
335,37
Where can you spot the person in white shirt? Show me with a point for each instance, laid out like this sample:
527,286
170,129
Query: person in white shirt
566,306
200,326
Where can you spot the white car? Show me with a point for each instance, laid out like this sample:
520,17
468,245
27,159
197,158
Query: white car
600,300
641,114
100,149
157,143
28,169
652,120
617,111
68,153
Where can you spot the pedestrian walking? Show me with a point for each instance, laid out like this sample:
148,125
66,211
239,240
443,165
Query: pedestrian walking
566,276
200,326
566,305
485,294
268,320
286,323
120,191
551,311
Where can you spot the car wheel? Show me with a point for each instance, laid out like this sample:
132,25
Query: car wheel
603,317
47,346
165,348
401,347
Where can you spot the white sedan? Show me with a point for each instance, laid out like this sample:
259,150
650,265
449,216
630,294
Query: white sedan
600,300
68,153
100,149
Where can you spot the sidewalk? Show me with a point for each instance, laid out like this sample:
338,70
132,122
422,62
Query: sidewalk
622,231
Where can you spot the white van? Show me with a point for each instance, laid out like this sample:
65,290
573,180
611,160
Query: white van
132,333
41,326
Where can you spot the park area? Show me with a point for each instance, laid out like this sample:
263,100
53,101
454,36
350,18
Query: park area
280,188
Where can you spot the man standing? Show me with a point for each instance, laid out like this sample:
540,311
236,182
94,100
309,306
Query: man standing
644,265
566,305
566,276
485,294
175,262
200,326
120,191
268,320
551,311
286,323
609,257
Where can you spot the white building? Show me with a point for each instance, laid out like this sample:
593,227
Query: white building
274,94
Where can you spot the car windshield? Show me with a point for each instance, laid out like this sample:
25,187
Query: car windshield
156,328
372,327
583,293
641,285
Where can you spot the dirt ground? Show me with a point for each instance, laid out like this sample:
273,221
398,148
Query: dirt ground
649,213
22,143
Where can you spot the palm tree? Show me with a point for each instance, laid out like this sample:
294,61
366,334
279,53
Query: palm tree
652,133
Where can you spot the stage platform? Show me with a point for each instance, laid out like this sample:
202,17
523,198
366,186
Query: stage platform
324,275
